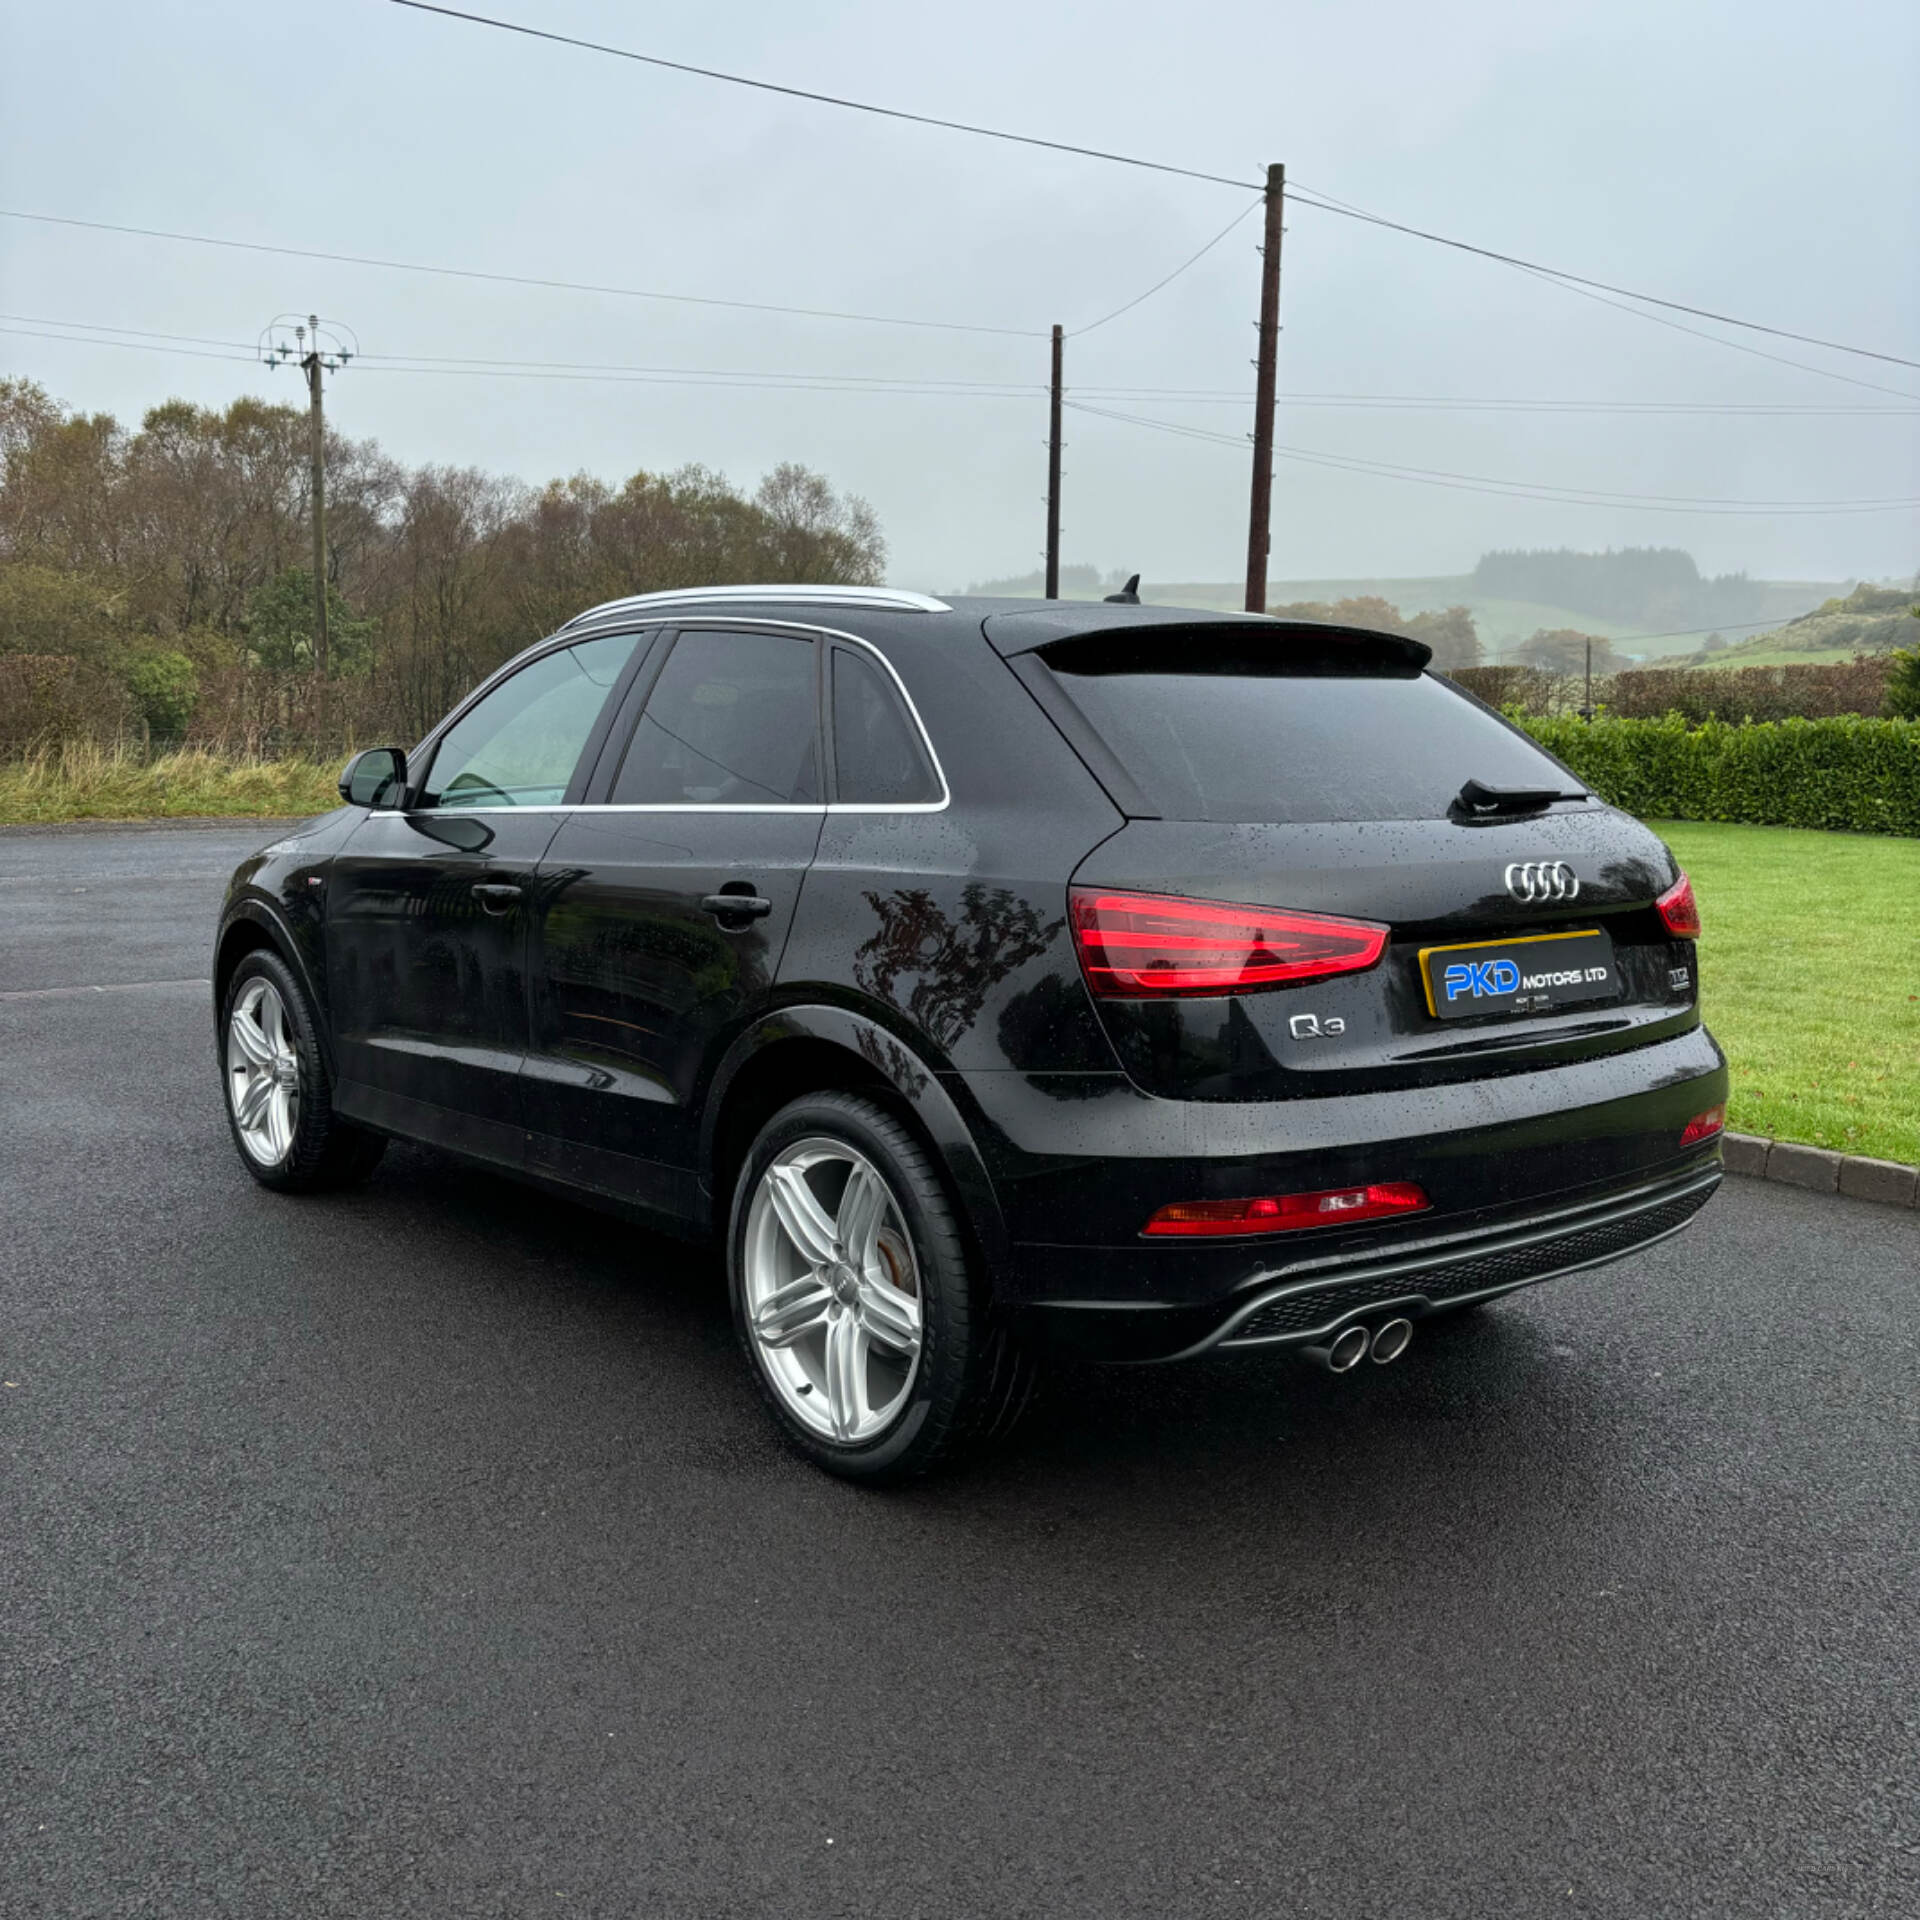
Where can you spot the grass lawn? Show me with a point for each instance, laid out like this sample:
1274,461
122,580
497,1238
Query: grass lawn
83,782
1810,979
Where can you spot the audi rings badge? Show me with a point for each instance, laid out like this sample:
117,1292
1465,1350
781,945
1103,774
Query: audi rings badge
1536,882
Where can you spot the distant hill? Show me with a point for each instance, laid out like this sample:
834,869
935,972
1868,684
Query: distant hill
1504,623
1870,619
1652,603
1655,589
1076,583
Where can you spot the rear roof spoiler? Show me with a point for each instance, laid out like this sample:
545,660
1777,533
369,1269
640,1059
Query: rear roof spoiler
1012,634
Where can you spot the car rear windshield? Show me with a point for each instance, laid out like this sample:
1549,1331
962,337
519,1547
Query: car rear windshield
1219,733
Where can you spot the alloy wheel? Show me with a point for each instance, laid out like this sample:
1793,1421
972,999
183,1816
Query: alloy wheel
263,1073
834,1303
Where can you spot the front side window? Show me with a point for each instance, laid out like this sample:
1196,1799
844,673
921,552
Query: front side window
730,723
520,745
877,755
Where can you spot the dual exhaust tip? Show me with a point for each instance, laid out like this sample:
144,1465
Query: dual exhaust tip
1381,1344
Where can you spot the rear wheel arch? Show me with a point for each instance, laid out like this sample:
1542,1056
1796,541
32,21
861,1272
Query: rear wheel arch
804,1050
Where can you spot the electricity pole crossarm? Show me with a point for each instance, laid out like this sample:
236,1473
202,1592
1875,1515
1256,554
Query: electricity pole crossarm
1260,506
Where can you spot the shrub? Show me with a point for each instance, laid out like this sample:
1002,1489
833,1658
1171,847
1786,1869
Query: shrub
47,697
1527,687
1811,690
1840,775
1903,684
164,687
45,611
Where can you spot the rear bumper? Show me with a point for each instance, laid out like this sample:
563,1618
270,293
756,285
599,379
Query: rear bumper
1306,1307
1079,1162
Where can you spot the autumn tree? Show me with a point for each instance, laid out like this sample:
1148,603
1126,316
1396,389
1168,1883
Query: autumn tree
1564,650
186,546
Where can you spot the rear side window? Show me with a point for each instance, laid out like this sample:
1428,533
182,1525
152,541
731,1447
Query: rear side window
1223,736
731,722
878,759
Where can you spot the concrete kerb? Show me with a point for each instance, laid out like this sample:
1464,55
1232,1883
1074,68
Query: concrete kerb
1888,1183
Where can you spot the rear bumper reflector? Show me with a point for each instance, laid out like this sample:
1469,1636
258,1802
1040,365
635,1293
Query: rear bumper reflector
1285,1212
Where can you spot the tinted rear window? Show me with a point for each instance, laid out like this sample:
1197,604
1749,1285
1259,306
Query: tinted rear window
876,750
1224,738
731,722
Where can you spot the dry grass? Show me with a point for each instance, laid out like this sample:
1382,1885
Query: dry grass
80,781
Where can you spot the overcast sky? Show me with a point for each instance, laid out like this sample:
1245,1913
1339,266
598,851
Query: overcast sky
1756,157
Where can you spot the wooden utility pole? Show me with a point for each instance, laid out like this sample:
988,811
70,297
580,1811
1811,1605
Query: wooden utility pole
1260,515
312,365
315,358
1053,474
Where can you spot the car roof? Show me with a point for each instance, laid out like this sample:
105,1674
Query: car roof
1010,626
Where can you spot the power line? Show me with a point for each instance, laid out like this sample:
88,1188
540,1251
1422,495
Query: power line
1450,403
1525,490
1140,299
139,346
1690,633
1312,197
32,325
850,384
1714,339
521,279
687,377
823,99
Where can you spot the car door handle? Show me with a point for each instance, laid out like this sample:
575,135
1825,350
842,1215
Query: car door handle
496,896
736,906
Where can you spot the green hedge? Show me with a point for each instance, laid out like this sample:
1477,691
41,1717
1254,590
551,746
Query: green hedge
1843,775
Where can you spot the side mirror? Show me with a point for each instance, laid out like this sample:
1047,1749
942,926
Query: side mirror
374,778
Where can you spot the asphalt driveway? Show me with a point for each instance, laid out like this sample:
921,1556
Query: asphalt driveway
423,1551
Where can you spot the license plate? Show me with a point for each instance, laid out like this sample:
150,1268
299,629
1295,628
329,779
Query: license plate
1533,974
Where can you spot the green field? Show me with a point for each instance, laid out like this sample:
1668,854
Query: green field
1810,979
1776,657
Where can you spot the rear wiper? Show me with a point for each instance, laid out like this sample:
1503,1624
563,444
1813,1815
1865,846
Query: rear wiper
1478,799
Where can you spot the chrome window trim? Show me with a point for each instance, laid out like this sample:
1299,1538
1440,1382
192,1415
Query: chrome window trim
529,655
709,623
726,623
627,806
895,599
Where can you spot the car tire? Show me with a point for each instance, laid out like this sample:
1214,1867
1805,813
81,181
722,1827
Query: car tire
277,1091
824,1320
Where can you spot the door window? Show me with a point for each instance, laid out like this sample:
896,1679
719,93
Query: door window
878,758
519,746
731,722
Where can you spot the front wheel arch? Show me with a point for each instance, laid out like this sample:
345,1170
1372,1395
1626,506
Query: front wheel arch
249,926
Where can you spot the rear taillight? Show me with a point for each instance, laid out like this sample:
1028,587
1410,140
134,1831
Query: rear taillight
1703,1126
1678,908
1150,943
1282,1212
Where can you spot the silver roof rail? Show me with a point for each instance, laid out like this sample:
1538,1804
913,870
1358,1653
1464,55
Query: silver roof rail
893,598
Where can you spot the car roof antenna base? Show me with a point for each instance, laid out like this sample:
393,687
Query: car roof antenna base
1128,596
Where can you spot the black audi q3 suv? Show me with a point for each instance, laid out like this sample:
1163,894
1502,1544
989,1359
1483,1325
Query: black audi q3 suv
993,974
